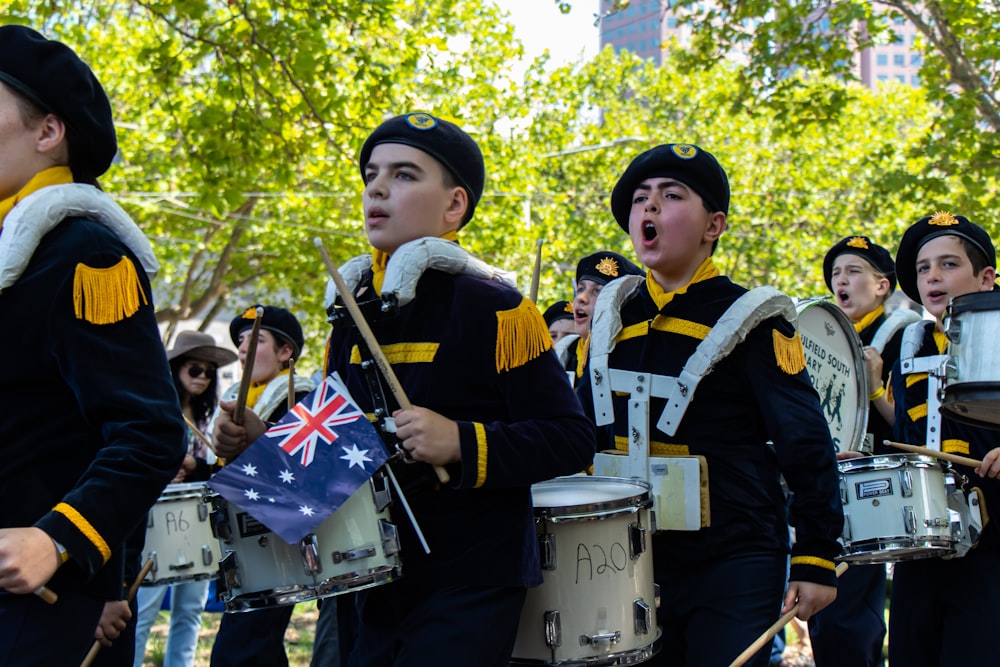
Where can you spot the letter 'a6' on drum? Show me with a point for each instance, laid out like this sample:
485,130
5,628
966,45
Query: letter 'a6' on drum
597,603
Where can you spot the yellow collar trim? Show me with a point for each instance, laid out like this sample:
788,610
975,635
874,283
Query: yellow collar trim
380,259
43,179
662,298
941,340
863,323
257,390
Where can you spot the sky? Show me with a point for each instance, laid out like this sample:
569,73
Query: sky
539,25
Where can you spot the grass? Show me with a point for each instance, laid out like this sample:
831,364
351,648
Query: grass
298,637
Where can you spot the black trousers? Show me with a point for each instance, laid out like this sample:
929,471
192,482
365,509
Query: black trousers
252,638
33,632
851,631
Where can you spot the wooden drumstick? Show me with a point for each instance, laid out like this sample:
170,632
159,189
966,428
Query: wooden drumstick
201,436
769,634
241,397
945,456
291,383
536,273
372,343
96,646
46,594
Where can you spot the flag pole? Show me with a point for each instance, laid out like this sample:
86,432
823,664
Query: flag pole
369,337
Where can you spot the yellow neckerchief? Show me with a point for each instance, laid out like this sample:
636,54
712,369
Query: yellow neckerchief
863,323
257,389
941,340
43,179
380,259
705,271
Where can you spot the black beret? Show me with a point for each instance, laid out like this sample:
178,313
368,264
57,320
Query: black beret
275,319
560,310
930,227
54,78
446,142
863,247
604,266
696,168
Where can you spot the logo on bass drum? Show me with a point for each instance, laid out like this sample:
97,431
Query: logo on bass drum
873,488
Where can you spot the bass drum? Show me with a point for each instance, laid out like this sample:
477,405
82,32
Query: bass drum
836,365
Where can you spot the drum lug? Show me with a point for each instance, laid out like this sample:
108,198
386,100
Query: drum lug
906,484
547,550
909,522
156,563
656,595
846,533
643,617
380,492
636,540
229,570
202,511
309,548
553,629
206,555
390,537
844,496
353,554
603,640
221,528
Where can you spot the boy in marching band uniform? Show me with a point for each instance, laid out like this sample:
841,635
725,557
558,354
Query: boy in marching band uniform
92,430
721,585
491,405
943,611
862,276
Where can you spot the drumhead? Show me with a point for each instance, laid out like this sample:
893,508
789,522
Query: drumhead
887,462
974,301
836,366
583,494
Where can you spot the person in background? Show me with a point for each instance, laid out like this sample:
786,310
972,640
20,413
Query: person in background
194,362
258,637
91,430
559,319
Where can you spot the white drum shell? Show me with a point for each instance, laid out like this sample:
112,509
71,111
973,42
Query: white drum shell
355,548
895,508
179,537
972,383
836,366
595,582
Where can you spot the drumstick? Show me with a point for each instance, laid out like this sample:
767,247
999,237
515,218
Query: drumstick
96,647
241,398
197,432
769,634
954,458
46,594
372,343
536,273
291,383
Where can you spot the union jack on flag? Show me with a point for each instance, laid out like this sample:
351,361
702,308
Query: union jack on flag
306,466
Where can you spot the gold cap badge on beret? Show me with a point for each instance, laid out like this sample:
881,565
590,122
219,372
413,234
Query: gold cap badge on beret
421,121
608,267
858,242
942,219
684,151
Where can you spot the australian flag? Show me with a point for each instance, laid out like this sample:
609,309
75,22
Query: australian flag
304,467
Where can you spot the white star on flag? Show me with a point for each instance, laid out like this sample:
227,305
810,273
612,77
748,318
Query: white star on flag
306,510
250,470
355,456
286,476
251,494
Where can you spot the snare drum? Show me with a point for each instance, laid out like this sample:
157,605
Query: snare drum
836,365
597,603
356,547
896,508
972,382
178,537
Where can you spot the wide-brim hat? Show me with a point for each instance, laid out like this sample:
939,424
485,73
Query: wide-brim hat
865,248
930,227
200,346
54,78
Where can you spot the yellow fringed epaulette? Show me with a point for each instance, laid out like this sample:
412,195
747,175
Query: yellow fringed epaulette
521,336
106,296
788,352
